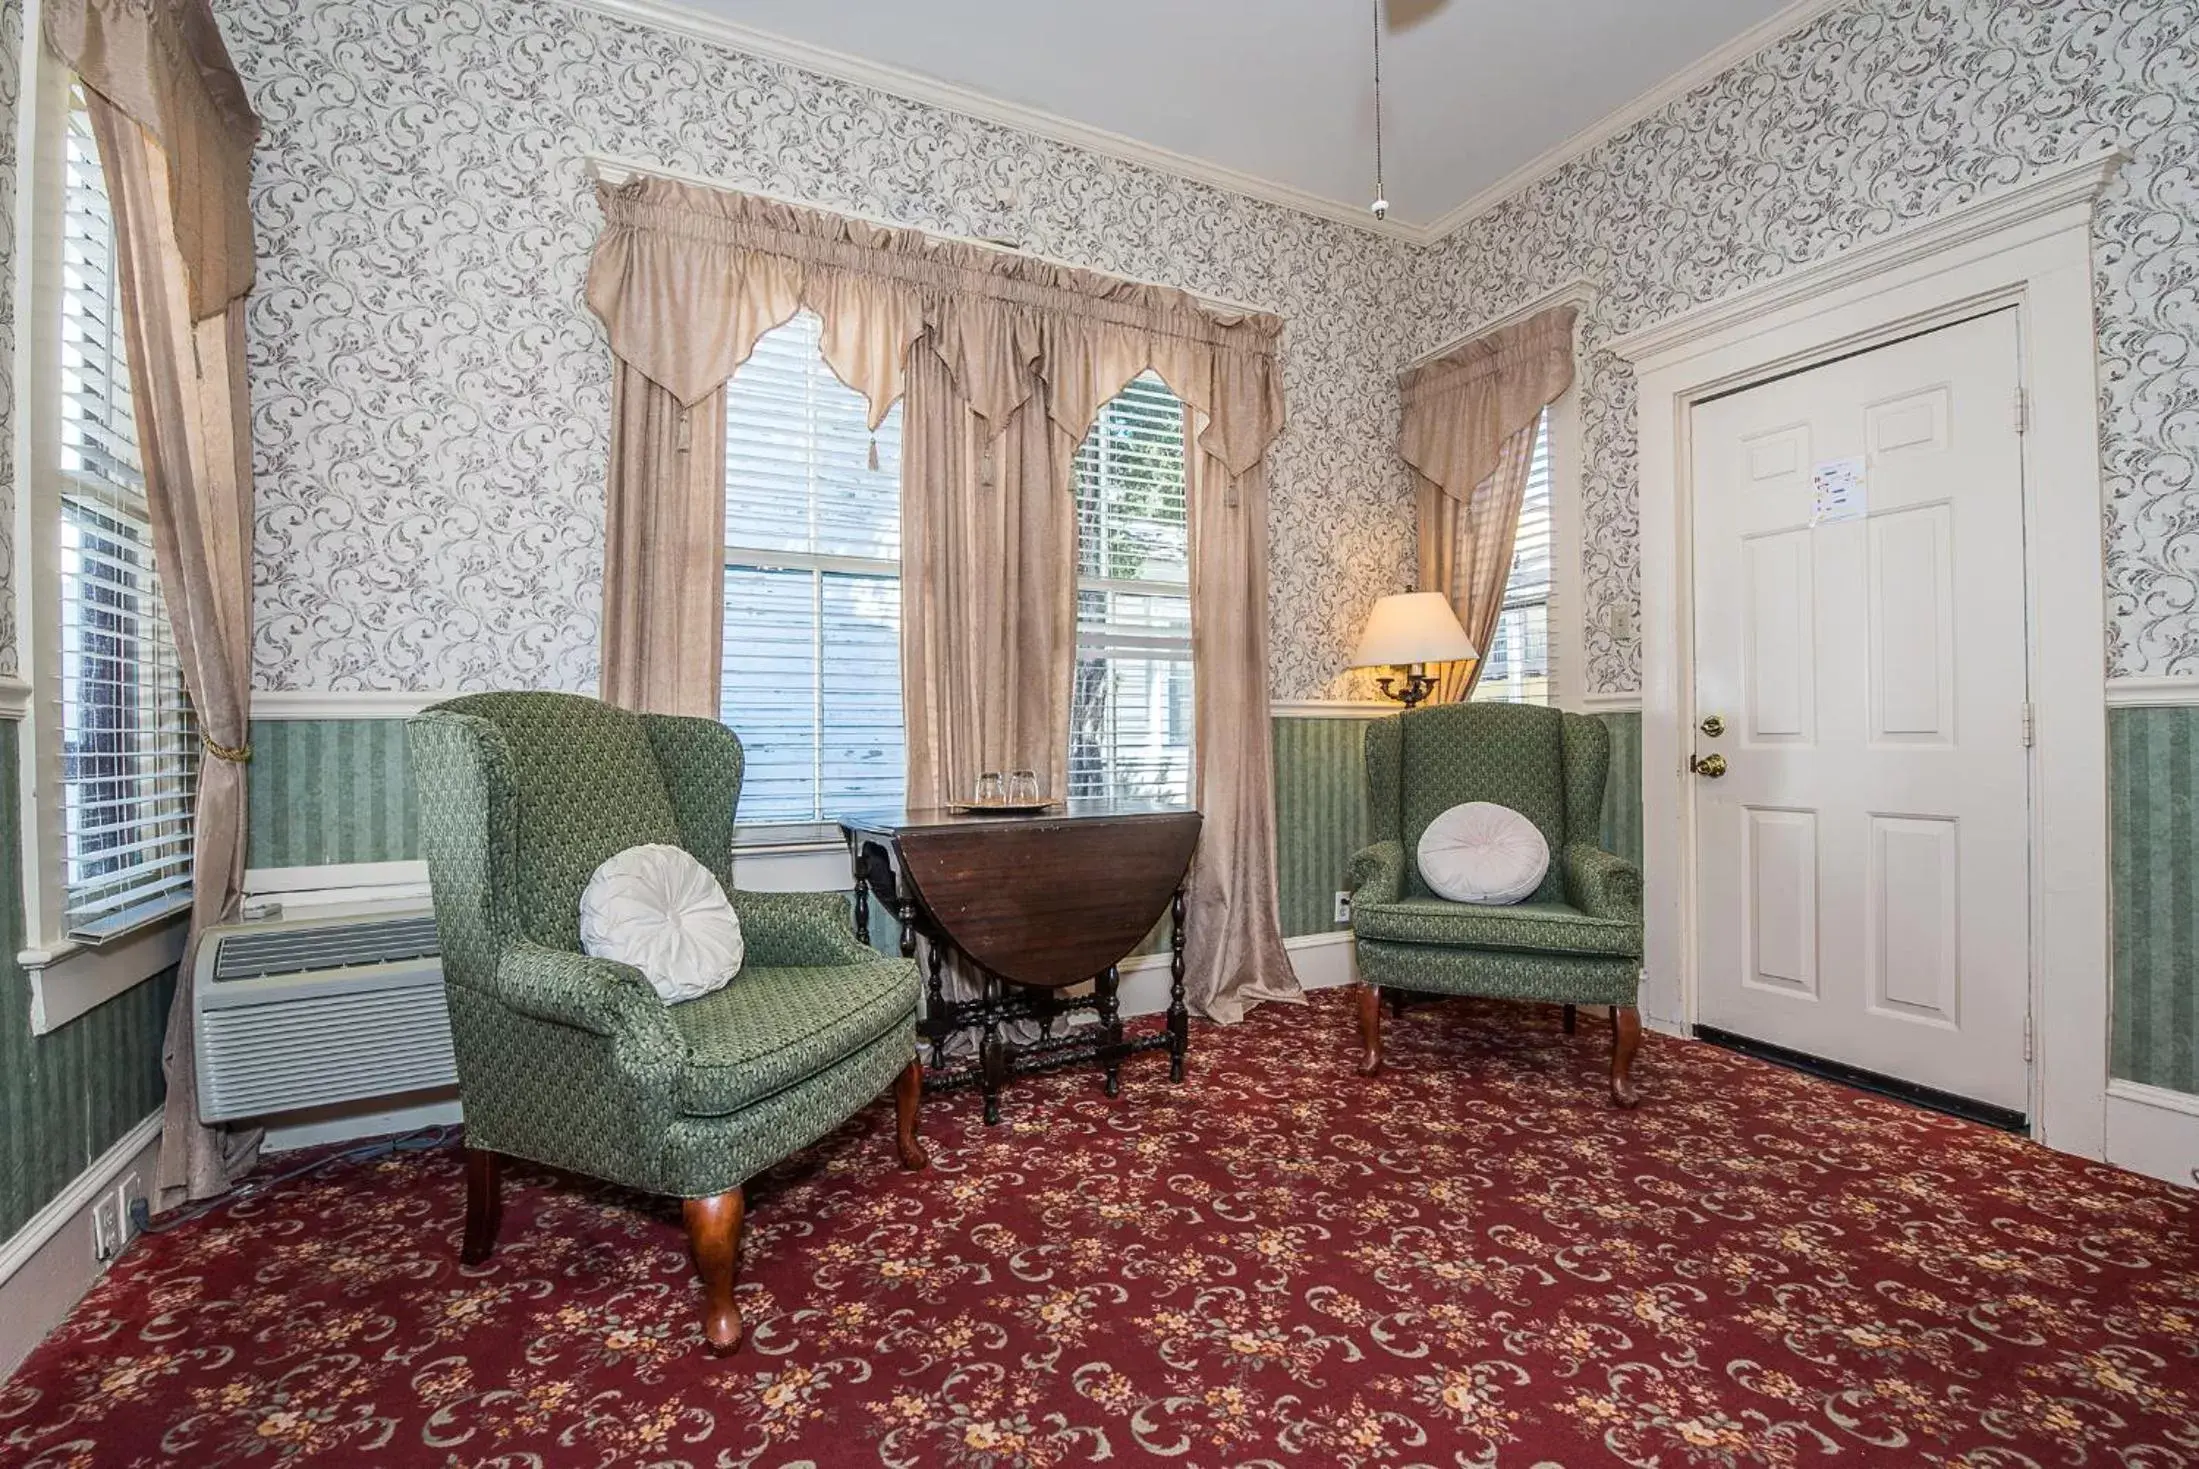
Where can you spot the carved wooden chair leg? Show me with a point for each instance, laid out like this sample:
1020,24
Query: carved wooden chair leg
1626,1036
1370,1029
484,1204
1569,1020
714,1239
908,1089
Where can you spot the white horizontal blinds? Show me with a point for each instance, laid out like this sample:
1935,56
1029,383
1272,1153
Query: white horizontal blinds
1516,668
812,661
129,746
1130,715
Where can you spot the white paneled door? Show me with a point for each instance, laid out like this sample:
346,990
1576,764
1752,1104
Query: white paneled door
1861,837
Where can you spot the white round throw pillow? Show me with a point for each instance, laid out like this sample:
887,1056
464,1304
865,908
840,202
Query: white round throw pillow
1483,853
661,911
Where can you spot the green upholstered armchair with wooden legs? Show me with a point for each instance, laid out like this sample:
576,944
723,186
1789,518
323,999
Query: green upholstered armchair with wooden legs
574,1062
1577,940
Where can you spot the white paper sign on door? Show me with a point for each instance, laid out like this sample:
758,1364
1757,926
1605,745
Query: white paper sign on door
1842,493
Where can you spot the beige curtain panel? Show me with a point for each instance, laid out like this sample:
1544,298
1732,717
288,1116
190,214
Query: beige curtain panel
1468,431
162,64
1004,360
188,380
1466,554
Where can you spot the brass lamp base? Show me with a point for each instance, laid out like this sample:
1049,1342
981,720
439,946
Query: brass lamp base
1418,686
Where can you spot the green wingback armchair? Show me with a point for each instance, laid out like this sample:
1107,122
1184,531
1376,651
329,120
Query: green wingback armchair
574,1062
1576,941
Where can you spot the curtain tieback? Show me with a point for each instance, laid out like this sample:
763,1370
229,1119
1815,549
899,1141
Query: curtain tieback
234,754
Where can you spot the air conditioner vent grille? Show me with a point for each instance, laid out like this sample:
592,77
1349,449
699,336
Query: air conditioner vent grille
249,955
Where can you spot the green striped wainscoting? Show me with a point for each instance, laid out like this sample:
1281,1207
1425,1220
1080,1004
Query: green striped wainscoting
68,1096
331,790
1320,816
2153,767
1321,809
1622,789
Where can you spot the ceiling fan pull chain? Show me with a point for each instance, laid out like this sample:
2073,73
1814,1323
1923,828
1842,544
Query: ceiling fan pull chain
1381,205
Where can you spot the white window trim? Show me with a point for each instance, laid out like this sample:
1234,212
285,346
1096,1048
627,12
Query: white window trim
67,977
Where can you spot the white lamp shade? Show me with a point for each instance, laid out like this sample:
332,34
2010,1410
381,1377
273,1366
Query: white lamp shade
1412,627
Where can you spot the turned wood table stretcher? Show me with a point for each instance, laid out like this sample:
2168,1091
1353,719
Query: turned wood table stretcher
1035,905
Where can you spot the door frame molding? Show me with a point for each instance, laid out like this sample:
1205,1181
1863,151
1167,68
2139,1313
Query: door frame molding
2030,247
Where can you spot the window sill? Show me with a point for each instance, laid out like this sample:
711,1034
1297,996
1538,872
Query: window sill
71,979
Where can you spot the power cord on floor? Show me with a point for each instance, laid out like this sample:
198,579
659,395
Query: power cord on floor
425,1140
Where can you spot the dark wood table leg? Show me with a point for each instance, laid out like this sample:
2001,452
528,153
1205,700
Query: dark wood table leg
1110,991
1179,1017
862,893
935,995
992,1056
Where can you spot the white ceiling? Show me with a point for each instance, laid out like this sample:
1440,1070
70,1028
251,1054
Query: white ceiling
1279,90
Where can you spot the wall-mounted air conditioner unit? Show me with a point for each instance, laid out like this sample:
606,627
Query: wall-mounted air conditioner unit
308,1012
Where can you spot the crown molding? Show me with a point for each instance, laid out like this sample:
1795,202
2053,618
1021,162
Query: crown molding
2034,202
949,97
1763,34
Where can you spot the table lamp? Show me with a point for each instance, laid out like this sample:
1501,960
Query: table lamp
1410,630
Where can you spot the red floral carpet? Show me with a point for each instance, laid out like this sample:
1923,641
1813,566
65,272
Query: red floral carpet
1471,1260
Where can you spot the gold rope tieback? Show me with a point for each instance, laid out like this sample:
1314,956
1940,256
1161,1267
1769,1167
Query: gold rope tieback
236,755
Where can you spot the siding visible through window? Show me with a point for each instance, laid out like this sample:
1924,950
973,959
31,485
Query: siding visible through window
1516,665
812,662
1131,703
129,744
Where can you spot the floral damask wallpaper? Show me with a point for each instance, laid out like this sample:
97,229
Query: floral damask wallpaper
1880,114
431,396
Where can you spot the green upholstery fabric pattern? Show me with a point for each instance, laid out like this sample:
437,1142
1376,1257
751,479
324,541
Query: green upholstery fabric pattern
575,1062
699,760
1578,940
1550,928
589,788
770,1028
1512,754
1499,974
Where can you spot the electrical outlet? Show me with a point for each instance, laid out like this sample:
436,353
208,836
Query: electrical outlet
1343,908
106,1229
130,1197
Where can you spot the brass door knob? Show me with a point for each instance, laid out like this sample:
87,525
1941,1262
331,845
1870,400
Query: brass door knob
1713,726
1708,766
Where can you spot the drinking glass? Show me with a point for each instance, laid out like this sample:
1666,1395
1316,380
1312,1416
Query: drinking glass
988,789
1023,787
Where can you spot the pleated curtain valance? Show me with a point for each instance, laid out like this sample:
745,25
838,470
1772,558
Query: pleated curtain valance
1462,408
161,63
1468,431
686,278
1003,361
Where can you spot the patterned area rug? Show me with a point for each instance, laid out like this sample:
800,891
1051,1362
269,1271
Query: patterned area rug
1470,1260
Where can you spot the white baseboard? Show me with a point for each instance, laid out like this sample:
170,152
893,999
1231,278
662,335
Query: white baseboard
49,1264
2154,1131
1320,960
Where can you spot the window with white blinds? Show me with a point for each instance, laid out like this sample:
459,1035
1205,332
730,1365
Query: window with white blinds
129,745
1516,664
812,661
1130,710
